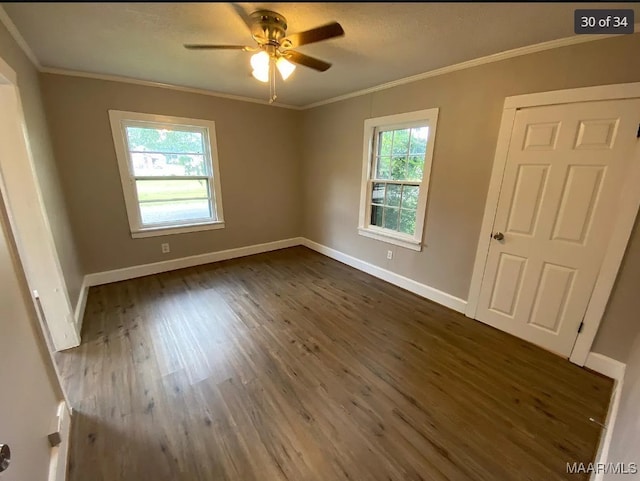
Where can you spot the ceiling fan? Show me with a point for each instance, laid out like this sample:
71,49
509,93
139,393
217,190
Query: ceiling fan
275,47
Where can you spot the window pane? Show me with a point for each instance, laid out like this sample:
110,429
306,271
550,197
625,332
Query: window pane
408,221
377,194
415,166
376,215
176,211
151,164
419,138
398,168
391,218
385,139
401,142
393,195
164,140
383,168
410,196
155,190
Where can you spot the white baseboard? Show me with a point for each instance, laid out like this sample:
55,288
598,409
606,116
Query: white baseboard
99,278
605,441
81,305
605,365
416,287
60,454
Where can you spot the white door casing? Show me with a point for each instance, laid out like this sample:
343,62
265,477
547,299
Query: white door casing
29,402
557,206
29,223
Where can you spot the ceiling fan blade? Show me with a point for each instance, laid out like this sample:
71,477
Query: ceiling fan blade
240,12
198,46
311,62
330,30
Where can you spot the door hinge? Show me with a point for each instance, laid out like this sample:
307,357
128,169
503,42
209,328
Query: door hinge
580,327
638,135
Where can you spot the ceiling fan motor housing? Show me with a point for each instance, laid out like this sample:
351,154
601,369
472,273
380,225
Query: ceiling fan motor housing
268,27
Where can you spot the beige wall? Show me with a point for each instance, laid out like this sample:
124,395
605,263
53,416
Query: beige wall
46,169
266,151
258,149
621,321
470,103
625,442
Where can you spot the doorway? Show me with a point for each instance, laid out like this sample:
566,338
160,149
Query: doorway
559,214
28,221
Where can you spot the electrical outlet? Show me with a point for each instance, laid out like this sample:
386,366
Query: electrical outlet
165,248
389,254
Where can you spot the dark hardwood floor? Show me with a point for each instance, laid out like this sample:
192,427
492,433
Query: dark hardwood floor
292,366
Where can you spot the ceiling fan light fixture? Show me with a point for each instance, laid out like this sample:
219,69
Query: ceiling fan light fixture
260,63
261,75
285,67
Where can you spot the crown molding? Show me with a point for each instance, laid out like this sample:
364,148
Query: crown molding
17,36
496,57
150,83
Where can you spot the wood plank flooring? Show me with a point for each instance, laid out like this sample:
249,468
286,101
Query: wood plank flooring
291,366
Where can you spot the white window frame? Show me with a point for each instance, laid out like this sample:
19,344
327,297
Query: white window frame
427,117
119,120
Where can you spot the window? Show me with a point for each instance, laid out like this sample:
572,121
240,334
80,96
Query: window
169,172
397,163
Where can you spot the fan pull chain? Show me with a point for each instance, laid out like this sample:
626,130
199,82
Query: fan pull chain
272,82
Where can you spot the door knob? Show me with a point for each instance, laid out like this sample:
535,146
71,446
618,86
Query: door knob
5,457
498,236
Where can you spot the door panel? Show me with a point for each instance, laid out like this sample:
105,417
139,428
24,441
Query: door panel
579,196
550,300
565,168
530,183
28,400
507,284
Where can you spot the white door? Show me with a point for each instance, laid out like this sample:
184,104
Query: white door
21,194
29,399
564,172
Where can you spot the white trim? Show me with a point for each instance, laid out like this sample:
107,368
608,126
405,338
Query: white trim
615,370
389,238
629,203
29,221
569,96
627,211
496,57
81,305
151,83
99,278
158,231
416,287
17,36
60,454
7,74
491,206
425,117
119,121
106,277
605,365
605,441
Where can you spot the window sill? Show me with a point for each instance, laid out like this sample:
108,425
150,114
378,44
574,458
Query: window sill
183,229
403,241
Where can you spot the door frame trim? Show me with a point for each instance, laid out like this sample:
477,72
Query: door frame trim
629,203
60,321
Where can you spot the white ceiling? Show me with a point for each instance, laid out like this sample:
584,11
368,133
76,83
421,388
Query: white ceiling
383,41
